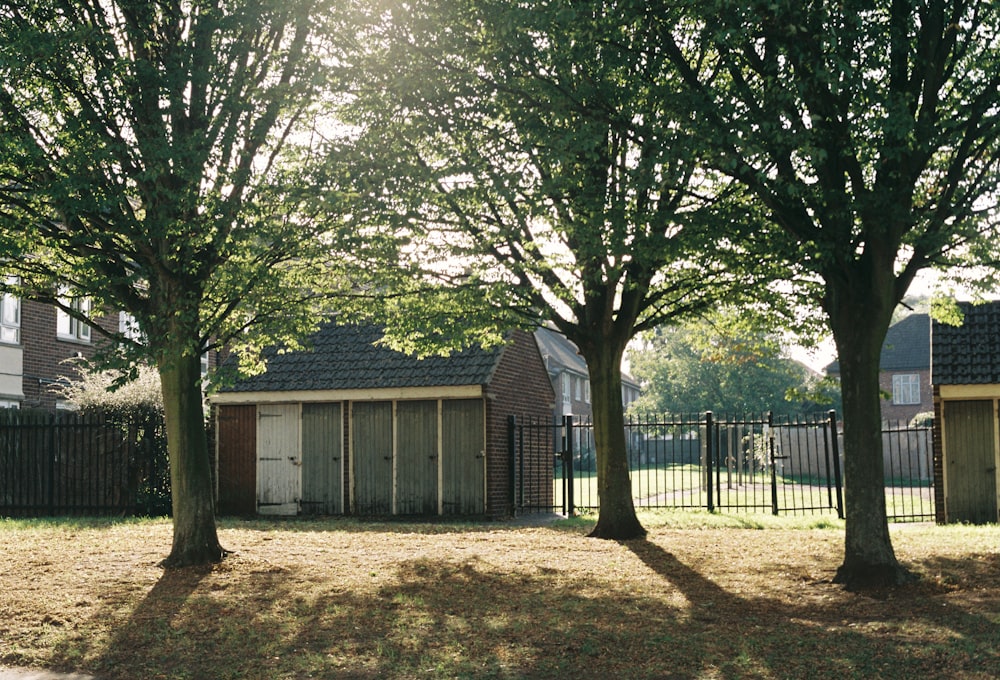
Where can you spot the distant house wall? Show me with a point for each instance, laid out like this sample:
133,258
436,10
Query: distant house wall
892,411
45,354
11,374
572,393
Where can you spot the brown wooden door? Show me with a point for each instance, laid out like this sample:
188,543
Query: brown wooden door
237,463
970,461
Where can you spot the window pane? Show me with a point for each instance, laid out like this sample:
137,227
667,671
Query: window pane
906,389
63,326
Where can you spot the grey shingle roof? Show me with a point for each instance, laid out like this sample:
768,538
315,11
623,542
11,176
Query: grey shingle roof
968,354
559,352
907,346
345,357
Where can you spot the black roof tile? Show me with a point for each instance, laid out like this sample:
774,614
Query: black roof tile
344,356
968,354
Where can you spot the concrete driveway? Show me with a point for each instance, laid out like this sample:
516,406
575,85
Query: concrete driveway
35,674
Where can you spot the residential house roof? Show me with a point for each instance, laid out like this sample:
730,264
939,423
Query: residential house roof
344,356
560,353
907,346
968,354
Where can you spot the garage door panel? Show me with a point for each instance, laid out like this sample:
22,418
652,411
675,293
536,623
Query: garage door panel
463,457
371,436
970,463
322,458
417,457
278,459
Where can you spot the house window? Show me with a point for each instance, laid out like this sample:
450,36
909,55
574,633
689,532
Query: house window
69,327
906,389
129,327
10,316
578,389
586,391
567,394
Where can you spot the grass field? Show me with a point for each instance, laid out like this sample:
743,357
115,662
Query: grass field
705,596
680,486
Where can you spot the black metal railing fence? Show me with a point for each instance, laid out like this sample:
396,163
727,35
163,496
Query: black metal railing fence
779,465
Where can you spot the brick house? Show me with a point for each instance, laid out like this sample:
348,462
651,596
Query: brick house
353,427
570,379
36,340
904,369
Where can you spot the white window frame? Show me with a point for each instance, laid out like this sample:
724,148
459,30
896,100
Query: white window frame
906,389
69,327
129,327
10,316
567,395
586,391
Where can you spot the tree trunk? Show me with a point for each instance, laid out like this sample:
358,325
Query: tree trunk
616,519
193,501
869,559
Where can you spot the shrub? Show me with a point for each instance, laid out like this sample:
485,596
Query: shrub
113,392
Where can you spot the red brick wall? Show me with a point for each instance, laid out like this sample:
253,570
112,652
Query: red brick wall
520,387
44,352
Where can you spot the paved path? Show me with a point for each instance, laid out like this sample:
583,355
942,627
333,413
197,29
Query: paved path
35,674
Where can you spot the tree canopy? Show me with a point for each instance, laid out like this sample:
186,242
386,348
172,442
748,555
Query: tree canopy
154,156
722,364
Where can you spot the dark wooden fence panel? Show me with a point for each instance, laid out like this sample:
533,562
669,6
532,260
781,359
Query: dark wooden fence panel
66,463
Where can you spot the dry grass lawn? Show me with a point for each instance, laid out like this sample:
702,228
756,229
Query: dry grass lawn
348,599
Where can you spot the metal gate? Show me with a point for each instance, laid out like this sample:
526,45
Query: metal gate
751,464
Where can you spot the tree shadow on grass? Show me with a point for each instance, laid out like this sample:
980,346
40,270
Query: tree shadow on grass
898,632
473,619
132,629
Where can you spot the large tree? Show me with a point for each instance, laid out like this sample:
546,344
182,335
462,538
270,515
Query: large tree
870,132
148,160
530,154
